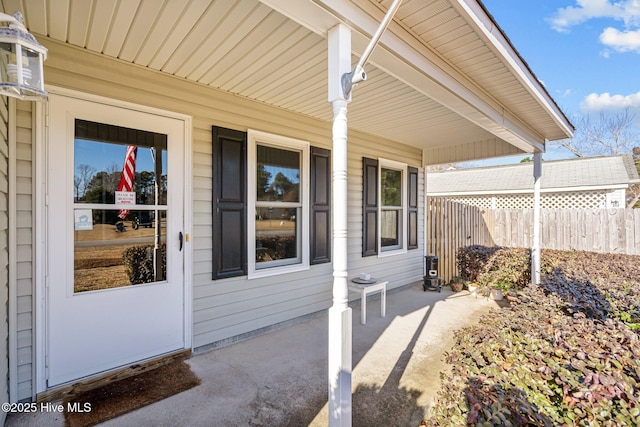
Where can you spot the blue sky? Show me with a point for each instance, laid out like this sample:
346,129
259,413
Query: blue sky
585,52
104,156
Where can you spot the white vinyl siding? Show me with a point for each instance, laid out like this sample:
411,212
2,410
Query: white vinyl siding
228,308
23,211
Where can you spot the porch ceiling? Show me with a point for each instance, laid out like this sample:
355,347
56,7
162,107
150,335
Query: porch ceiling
443,76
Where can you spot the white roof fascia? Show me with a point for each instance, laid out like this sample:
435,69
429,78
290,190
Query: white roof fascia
414,64
486,26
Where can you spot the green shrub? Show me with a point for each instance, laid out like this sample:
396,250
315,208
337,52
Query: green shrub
564,353
138,263
472,259
504,268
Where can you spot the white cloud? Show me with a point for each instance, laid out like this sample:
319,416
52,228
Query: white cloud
564,93
606,102
622,41
566,17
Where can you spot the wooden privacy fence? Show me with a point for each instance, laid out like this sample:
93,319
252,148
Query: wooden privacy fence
451,225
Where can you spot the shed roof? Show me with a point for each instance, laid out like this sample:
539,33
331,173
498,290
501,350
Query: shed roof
600,172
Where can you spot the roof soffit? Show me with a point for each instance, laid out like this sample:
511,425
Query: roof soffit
487,29
403,55
275,52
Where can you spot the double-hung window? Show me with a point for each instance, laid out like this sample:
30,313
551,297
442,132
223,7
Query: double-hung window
271,204
390,207
278,189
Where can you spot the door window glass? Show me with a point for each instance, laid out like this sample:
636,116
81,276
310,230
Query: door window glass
120,206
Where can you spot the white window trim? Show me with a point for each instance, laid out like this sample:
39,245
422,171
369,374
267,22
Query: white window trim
254,138
391,164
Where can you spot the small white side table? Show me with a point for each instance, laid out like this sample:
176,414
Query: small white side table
366,289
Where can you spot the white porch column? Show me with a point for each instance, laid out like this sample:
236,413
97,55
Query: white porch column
339,314
535,246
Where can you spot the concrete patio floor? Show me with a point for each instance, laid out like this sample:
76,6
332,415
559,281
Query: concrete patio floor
280,378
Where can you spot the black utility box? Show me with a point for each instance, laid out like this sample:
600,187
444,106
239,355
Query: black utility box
432,281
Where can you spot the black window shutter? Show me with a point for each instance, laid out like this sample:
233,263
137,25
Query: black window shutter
369,207
320,239
413,208
229,203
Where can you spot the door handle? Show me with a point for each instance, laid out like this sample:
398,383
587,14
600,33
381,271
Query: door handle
180,239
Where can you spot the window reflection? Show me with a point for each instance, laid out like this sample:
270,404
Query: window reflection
278,207
100,155
124,246
108,255
278,175
276,234
391,209
389,230
391,183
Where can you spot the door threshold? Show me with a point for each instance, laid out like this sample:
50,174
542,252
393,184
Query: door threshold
89,383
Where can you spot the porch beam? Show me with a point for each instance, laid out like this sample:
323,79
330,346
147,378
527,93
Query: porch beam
535,244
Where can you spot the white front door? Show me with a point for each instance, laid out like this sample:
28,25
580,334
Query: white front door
115,288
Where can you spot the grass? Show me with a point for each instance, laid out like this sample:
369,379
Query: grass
101,267
108,232
99,278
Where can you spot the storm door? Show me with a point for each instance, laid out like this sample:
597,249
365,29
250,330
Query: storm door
114,205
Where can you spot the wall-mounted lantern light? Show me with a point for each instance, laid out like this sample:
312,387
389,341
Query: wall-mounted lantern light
21,61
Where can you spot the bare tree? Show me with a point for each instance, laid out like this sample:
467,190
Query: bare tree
82,178
112,178
609,136
77,183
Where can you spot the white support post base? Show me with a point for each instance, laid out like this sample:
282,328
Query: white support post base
340,366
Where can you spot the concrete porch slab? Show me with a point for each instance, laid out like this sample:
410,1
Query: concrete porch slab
280,378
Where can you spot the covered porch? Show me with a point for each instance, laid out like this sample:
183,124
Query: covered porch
279,378
444,85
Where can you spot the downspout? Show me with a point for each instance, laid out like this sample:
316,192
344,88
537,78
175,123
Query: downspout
341,82
535,245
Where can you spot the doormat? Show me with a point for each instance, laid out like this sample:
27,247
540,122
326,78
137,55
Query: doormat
119,397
